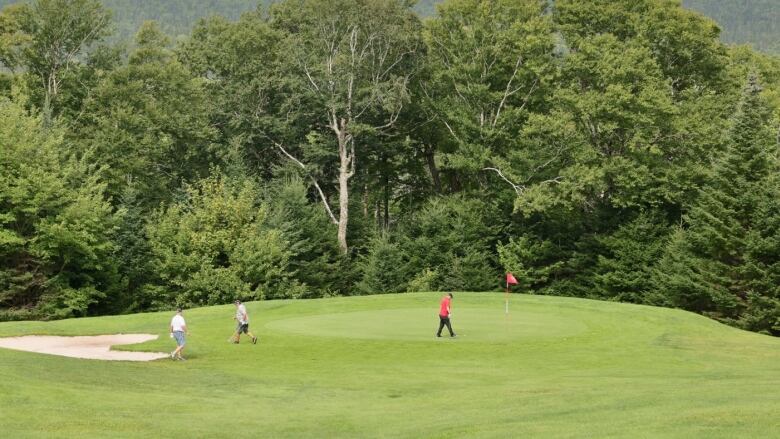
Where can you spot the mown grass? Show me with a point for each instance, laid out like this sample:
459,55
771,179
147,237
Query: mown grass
371,367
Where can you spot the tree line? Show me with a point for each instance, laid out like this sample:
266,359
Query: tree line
610,149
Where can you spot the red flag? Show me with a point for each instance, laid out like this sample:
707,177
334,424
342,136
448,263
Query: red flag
510,280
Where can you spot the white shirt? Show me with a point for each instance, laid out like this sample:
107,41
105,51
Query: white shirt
240,313
178,323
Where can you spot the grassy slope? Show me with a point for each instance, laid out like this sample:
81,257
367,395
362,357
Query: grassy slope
370,367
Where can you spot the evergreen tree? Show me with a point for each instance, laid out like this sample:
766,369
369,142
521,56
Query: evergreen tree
709,266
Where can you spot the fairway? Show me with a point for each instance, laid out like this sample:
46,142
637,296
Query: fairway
371,367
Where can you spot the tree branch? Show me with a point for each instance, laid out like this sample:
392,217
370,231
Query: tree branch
518,188
313,180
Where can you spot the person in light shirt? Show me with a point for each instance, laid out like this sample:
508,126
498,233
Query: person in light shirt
243,324
178,330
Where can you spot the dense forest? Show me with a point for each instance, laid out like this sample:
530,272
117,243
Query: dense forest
614,150
755,22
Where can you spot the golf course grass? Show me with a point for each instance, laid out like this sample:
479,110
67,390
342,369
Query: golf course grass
371,367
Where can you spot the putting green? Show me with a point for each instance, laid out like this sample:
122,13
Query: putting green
471,325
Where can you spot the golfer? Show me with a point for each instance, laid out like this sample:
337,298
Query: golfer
243,324
444,315
178,329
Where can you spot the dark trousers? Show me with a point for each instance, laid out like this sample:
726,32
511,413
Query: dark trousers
444,321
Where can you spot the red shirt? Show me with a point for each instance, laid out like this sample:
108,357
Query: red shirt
444,308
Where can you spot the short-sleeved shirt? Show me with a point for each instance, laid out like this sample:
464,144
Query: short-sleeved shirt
240,313
444,308
177,323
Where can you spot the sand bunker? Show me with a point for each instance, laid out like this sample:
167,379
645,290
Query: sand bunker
91,347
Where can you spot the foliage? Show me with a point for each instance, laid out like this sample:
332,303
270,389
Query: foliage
452,237
489,66
148,120
383,268
56,226
624,272
59,30
714,263
607,149
215,245
315,261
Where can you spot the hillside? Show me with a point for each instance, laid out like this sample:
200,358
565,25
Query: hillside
371,367
755,22
176,17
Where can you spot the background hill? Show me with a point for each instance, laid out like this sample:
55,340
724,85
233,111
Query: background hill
176,17
755,22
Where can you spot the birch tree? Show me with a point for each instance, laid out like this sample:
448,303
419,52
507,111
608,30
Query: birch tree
350,63
59,31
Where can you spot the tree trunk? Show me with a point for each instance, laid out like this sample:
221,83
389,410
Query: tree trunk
430,158
346,171
343,205
386,224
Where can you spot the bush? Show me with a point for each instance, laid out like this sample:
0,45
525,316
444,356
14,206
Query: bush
216,245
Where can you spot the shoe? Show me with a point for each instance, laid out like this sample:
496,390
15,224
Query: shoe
453,336
254,340
173,357
438,335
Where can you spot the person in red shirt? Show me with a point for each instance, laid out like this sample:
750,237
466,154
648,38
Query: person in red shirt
444,315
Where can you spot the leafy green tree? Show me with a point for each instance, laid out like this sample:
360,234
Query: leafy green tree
350,63
762,310
133,253
488,70
13,39
383,268
216,245
56,227
59,31
684,44
240,65
149,121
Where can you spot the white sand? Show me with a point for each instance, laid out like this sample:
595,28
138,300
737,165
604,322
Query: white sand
91,347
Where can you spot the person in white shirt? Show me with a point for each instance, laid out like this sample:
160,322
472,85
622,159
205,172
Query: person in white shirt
243,324
178,329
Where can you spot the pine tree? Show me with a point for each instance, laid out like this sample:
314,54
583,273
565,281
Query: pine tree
715,264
